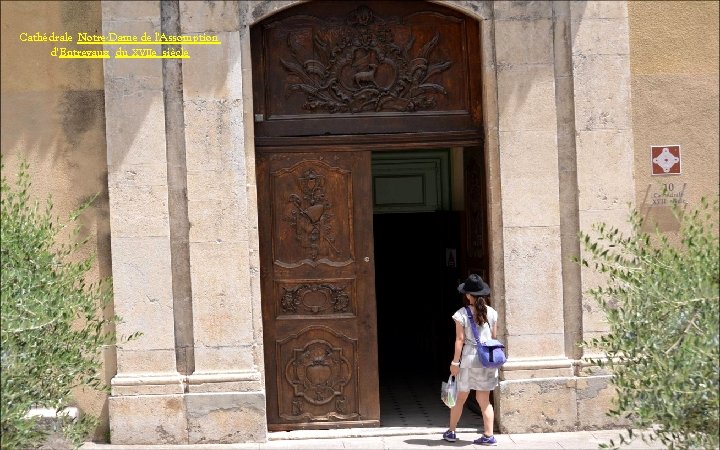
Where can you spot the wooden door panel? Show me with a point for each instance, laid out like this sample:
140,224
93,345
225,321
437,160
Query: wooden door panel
302,298
318,289
319,363
312,215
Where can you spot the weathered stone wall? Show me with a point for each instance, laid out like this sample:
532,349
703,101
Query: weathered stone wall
561,118
53,116
188,275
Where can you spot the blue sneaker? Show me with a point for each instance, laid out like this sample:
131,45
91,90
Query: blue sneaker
449,436
486,440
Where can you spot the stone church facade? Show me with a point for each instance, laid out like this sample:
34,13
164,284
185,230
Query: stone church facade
190,182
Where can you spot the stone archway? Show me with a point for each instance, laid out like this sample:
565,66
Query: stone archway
547,115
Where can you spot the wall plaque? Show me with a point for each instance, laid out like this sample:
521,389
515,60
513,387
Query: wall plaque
665,159
664,195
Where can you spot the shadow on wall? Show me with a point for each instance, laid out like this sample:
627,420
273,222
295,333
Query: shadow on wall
53,110
53,116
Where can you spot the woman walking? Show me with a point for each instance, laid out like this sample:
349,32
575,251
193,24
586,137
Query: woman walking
465,366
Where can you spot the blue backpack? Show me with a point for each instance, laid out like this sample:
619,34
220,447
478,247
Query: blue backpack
491,353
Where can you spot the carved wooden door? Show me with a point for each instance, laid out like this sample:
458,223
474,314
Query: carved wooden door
331,80
318,299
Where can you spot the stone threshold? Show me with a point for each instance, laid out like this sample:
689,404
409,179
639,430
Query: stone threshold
343,433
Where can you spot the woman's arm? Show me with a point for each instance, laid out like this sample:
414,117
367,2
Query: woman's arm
494,330
459,341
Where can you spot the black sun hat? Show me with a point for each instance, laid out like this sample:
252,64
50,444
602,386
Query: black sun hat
474,285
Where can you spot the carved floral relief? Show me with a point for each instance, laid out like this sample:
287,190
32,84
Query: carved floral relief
311,199
320,376
315,299
360,66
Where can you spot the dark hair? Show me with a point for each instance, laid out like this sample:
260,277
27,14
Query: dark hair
480,307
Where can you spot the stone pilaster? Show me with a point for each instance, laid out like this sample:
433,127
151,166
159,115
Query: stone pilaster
599,38
179,169
226,387
529,183
565,161
146,403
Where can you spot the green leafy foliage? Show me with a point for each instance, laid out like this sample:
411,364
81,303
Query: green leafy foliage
661,302
52,320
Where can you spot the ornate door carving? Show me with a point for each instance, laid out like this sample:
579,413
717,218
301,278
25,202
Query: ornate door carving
366,67
318,289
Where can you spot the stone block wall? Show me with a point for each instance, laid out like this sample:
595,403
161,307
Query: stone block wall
185,236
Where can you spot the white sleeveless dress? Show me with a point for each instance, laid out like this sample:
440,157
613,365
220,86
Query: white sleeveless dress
472,374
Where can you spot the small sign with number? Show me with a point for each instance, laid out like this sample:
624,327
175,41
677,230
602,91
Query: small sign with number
665,159
666,194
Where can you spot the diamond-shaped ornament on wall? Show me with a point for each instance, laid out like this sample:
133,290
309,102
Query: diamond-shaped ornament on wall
665,159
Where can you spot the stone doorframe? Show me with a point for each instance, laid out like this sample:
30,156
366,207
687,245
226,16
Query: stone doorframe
183,211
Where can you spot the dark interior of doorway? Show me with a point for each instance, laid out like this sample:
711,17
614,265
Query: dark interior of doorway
415,291
415,284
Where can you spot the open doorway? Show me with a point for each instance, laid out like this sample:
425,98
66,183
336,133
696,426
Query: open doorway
414,287
417,244
415,302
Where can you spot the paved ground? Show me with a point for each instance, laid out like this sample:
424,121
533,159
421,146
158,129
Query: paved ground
401,438
413,417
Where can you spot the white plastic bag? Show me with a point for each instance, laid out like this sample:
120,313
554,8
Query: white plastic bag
448,392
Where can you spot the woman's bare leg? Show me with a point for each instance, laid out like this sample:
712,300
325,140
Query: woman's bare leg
456,411
483,398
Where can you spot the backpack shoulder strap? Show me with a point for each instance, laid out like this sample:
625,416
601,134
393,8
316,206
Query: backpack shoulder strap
472,325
